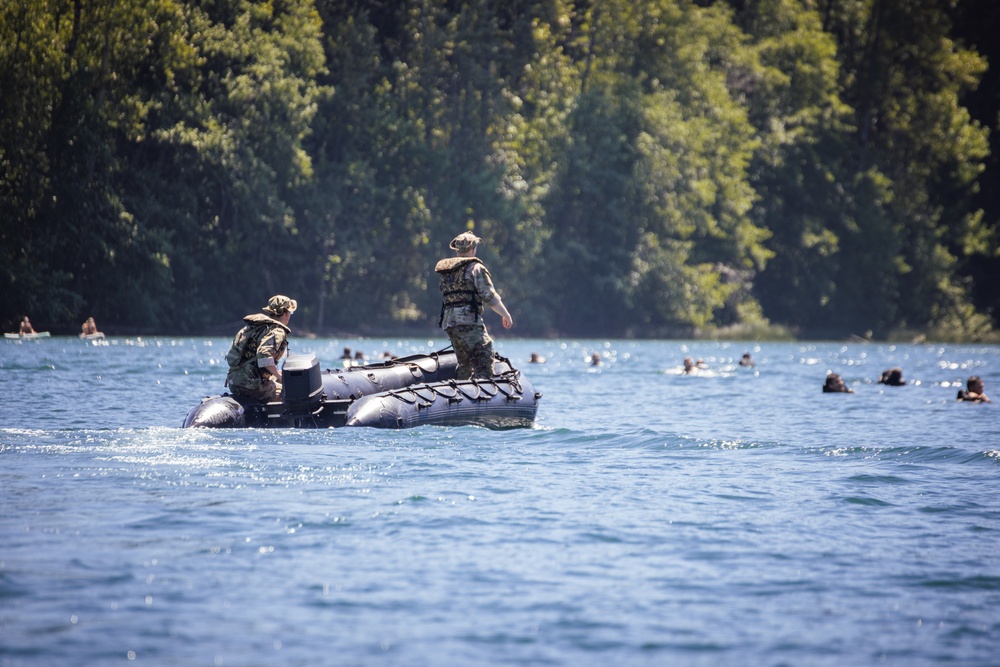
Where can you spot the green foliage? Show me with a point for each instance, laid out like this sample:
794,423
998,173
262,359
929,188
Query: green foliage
869,163
904,77
643,168
650,216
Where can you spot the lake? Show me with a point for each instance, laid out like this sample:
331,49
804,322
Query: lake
734,516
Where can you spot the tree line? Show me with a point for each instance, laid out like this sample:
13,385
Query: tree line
646,168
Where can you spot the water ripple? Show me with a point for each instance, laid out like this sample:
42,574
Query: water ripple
731,518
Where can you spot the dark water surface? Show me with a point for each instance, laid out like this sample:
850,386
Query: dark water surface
737,517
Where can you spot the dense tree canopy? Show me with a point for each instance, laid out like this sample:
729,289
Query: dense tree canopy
636,167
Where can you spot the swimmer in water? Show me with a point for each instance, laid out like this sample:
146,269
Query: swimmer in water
835,385
892,377
974,391
690,366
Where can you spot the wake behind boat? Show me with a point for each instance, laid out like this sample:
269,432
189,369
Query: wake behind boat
398,393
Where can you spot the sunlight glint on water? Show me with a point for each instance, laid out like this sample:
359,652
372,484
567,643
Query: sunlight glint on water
733,517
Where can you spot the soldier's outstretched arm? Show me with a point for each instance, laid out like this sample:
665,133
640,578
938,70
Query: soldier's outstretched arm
497,306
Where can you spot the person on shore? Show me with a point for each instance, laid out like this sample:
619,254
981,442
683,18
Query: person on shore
466,289
974,391
892,377
89,327
26,327
257,348
835,385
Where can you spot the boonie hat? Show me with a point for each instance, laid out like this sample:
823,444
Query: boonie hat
464,241
278,305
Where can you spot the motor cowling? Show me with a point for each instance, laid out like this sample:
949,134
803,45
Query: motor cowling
302,384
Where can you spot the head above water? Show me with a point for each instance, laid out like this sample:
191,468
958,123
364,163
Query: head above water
465,242
892,377
835,384
279,304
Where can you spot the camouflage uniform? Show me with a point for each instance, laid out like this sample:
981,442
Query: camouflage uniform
261,342
466,288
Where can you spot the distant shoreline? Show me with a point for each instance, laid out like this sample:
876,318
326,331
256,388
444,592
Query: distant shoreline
738,334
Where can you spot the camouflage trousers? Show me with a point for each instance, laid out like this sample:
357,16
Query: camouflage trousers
245,382
474,349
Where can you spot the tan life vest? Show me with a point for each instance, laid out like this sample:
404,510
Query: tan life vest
457,286
247,340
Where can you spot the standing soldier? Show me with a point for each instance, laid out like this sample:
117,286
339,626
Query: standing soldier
466,288
257,347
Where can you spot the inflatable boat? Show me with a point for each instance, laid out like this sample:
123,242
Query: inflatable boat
507,400
397,393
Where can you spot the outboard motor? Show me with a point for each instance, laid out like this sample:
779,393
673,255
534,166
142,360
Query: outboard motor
302,384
